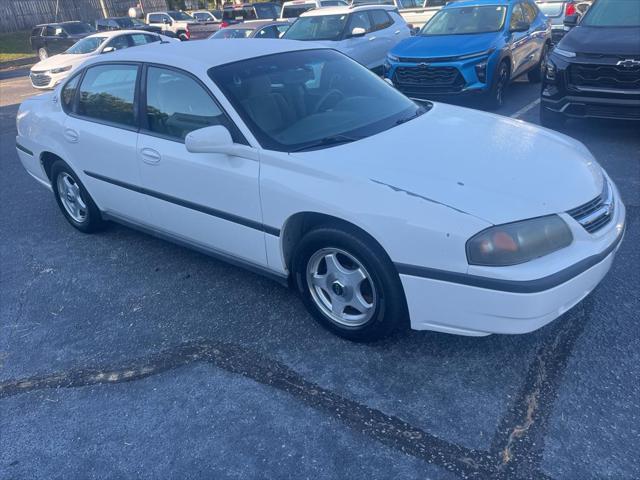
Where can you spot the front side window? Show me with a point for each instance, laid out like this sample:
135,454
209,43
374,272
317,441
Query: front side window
107,94
69,93
613,13
360,20
268,32
298,100
317,27
530,12
517,16
78,28
466,21
86,45
180,16
157,18
118,43
177,105
230,32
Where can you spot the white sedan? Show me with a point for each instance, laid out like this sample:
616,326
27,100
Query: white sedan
299,163
366,33
47,73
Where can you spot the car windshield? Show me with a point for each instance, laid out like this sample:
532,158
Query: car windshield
317,27
310,99
86,45
267,10
180,16
125,22
613,13
78,28
294,11
466,21
552,8
230,32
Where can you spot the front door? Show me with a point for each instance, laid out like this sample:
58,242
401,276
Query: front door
211,200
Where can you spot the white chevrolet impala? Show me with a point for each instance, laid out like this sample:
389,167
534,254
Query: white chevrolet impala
302,164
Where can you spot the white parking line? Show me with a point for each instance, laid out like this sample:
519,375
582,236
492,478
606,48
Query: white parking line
526,108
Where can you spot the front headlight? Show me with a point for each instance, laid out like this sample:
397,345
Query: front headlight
564,53
392,58
61,69
518,242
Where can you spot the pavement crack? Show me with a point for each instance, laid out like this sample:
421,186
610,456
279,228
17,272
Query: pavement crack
386,429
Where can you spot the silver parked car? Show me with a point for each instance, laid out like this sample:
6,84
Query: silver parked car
557,11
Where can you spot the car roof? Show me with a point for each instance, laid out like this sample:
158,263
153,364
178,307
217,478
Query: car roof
198,57
59,23
117,33
477,3
345,9
254,24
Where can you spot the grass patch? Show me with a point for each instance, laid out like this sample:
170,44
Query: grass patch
15,45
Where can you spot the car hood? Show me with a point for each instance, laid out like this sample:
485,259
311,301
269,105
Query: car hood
61,60
495,168
602,40
445,45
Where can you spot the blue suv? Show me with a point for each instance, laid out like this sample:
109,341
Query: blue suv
472,47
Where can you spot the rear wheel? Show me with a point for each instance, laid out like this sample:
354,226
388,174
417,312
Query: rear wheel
42,53
535,74
73,199
551,119
348,284
495,97
183,36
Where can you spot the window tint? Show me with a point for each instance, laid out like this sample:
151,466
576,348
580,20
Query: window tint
119,42
360,20
156,18
36,32
50,31
107,93
143,39
177,104
435,3
516,16
380,19
268,32
530,12
69,92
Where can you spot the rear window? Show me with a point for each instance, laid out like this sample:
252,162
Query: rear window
294,11
239,14
551,9
266,11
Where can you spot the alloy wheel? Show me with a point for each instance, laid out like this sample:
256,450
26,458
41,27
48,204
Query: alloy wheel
71,198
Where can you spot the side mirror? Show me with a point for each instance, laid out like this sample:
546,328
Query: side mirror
521,27
217,139
571,21
358,32
108,49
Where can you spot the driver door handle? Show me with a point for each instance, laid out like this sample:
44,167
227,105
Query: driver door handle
150,156
372,38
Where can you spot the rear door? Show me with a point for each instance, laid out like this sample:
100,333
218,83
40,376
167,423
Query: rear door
101,134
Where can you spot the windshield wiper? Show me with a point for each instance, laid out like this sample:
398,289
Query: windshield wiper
326,142
419,111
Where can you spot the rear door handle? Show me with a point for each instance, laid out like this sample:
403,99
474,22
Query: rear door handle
150,156
372,38
71,135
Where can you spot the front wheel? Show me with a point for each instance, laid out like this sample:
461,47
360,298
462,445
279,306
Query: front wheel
348,284
495,98
73,199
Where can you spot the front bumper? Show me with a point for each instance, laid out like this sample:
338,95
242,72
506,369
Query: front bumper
511,307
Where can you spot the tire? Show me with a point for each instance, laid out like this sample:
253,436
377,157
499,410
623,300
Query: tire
362,300
74,201
43,54
495,96
183,36
535,74
551,119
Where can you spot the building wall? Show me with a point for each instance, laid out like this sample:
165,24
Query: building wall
24,14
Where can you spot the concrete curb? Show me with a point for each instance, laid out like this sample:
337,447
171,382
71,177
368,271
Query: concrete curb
18,62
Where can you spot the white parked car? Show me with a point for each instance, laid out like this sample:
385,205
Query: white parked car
46,74
301,164
365,33
295,8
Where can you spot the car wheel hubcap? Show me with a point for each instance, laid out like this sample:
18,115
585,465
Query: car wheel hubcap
341,287
70,197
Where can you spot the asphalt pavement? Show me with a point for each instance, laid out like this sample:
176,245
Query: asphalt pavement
124,356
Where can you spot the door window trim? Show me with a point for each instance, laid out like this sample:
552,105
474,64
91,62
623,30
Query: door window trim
143,122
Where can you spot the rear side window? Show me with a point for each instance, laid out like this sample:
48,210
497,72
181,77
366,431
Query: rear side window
268,32
380,19
107,94
143,39
50,31
69,93
36,32
155,18
177,105
118,43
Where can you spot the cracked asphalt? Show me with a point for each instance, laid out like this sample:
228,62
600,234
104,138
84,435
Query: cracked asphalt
123,356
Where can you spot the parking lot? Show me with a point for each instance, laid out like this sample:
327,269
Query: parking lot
126,354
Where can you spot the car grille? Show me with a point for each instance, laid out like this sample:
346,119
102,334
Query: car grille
605,76
597,213
424,80
40,79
